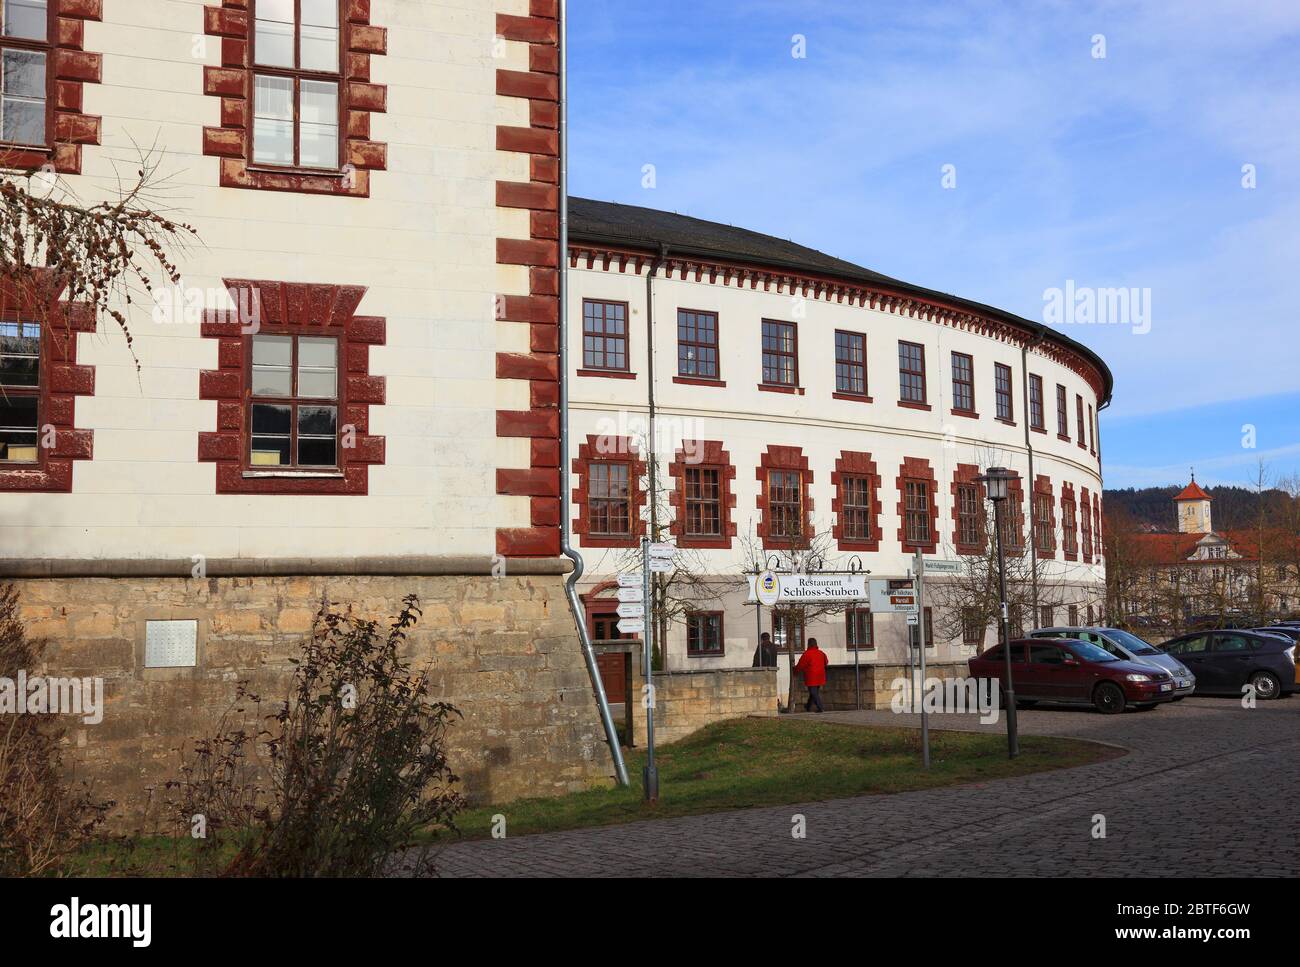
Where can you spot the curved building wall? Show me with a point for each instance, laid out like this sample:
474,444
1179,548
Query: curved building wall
822,434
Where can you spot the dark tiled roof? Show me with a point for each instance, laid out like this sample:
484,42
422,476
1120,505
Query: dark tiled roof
610,223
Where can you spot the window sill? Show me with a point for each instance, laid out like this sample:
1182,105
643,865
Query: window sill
969,414
1005,421
853,397
909,405
293,474
1063,436
608,373
705,654
1038,429
266,169
698,381
775,388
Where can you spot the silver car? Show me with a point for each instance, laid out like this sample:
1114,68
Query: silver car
1129,647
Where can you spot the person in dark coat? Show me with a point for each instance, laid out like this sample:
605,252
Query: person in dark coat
765,653
812,665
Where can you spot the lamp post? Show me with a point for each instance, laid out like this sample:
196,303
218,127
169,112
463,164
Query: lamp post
997,481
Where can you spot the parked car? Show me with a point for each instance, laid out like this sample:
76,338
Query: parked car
1077,672
1225,661
1291,631
1129,647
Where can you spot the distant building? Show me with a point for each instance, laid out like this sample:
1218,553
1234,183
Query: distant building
1198,570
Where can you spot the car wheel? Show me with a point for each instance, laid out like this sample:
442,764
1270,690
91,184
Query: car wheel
1266,685
1108,698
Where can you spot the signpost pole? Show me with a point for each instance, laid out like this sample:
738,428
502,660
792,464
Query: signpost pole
650,775
857,674
918,569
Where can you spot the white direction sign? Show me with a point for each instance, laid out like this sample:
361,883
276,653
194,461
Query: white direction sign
913,618
631,594
661,565
631,610
631,580
943,567
661,558
632,626
663,550
892,596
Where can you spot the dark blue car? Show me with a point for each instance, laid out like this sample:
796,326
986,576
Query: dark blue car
1225,661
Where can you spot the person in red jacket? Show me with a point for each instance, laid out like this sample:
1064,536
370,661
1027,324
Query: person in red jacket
812,665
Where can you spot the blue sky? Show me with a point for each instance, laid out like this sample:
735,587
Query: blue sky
1122,171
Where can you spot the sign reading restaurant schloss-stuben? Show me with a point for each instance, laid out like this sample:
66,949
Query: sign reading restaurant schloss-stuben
816,588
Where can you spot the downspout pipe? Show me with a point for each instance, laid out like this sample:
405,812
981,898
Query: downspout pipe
652,444
566,503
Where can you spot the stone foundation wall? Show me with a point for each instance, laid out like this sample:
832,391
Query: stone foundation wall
839,692
687,701
503,650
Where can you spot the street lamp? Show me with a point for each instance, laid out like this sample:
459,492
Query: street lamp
997,484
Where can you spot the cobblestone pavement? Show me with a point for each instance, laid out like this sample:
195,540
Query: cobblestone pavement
1208,789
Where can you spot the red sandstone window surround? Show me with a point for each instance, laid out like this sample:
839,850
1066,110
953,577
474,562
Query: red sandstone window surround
1044,517
856,504
41,78
608,492
39,382
293,390
784,503
296,96
918,511
968,510
701,496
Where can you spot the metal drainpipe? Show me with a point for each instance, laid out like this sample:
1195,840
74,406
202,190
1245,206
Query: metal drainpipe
571,583
653,475
1029,450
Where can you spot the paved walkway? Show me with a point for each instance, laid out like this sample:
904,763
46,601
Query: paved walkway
1208,789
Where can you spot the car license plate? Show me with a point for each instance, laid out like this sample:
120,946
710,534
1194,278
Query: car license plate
1166,687
1184,682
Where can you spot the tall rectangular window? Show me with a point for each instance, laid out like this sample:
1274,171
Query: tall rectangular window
609,499
704,633
1046,617
1036,416
697,344
859,631
963,383
24,53
1002,391
970,516
785,504
1013,520
1086,527
780,354
294,402
703,502
913,631
604,335
1092,432
296,78
916,503
1062,419
20,391
855,508
972,628
1069,532
850,363
1044,532
911,372
1082,437
1072,615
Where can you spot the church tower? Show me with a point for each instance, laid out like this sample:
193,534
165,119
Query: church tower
1193,508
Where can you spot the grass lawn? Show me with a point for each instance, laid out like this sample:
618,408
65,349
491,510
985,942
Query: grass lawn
729,765
767,761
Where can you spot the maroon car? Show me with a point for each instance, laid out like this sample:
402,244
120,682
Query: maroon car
1064,670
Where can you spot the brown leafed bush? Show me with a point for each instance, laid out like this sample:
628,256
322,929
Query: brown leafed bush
347,772
44,817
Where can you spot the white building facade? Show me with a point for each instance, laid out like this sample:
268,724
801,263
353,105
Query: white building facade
352,394
800,398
